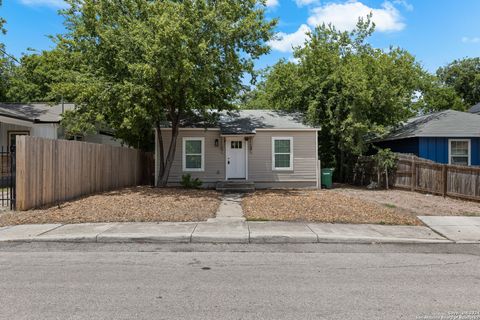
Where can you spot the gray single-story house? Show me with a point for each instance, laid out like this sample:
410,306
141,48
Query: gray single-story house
41,120
449,137
267,149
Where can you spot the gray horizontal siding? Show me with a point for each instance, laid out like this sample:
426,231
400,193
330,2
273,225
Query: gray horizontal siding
304,157
286,185
259,158
214,156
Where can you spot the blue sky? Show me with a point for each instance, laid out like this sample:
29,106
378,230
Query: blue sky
435,31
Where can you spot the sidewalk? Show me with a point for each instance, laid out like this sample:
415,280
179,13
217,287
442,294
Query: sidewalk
460,229
220,231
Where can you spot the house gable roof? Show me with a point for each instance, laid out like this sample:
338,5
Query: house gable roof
248,121
448,123
35,112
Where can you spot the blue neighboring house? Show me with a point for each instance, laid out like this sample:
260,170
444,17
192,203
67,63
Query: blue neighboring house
450,137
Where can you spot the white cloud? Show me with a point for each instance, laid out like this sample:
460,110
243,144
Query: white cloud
294,60
302,3
344,16
286,41
471,40
272,3
405,4
48,3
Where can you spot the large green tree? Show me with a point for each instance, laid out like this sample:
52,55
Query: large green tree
142,62
463,76
6,63
347,88
437,96
32,79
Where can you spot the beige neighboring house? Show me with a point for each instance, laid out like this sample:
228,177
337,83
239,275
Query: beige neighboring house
40,120
247,149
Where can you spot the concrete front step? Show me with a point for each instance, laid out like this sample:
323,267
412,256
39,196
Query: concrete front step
240,186
236,190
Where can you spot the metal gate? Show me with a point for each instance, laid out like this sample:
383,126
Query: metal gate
7,179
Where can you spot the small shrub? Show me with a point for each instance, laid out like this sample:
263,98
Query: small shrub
190,183
386,162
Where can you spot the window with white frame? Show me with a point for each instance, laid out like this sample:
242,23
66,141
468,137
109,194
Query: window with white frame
193,154
459,152
282,153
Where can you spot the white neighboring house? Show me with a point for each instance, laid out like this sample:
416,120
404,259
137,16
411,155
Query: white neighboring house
41,120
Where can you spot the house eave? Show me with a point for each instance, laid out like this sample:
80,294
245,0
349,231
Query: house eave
257,129
457,135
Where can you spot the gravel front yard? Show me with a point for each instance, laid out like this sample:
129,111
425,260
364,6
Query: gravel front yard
414,203
321,206
138,204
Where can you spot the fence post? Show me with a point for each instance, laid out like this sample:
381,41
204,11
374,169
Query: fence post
414,175
445,178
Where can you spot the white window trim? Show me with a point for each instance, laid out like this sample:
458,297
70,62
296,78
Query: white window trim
184,154
291,154
460,140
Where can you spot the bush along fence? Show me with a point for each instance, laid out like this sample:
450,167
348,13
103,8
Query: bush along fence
422,175
49,172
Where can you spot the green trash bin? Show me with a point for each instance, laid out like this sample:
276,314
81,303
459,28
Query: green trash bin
327,178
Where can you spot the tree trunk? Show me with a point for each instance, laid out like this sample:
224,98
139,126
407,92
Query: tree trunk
161,151
342,166
379,178
386,178
170,156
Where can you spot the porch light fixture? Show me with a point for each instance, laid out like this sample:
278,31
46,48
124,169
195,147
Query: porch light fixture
216,142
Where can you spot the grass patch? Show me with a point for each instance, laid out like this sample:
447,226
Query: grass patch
389,205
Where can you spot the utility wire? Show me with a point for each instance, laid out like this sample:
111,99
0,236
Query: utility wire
9,55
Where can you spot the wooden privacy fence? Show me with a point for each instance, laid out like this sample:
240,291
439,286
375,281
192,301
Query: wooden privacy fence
52,171
417,174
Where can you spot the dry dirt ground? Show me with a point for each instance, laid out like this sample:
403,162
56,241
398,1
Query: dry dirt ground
136,204
345,204
414,203
320,206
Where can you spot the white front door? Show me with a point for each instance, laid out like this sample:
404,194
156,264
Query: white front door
236,158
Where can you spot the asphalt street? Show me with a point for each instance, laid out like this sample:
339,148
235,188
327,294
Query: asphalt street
318,281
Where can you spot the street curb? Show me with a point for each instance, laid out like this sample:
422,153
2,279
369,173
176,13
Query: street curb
214,233
233,240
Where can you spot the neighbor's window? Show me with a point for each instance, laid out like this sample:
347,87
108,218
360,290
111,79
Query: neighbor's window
193,154
282,153
459,152
12,137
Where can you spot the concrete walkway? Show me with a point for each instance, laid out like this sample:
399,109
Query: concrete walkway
458,229
230,209
221,231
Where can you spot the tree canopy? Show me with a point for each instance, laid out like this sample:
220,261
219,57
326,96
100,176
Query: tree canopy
6,64
33,78
345,86
139,63
463,76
